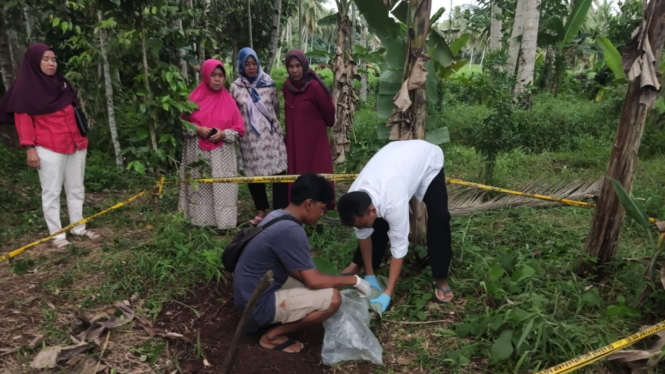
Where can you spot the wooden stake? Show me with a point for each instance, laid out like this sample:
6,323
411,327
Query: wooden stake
265,282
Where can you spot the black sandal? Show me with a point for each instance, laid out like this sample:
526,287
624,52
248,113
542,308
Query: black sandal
283,346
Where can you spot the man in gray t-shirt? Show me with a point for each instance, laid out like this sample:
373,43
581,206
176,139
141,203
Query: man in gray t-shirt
300,295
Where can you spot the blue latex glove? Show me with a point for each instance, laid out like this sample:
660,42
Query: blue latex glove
384,300
373,282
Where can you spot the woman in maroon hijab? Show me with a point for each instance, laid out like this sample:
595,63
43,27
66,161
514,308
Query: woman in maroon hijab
308,112
41,104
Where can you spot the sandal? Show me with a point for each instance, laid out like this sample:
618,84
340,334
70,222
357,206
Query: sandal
61,243
445,291
256,221
90,234
285,345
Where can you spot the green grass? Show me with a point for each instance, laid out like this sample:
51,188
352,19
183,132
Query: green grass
522,304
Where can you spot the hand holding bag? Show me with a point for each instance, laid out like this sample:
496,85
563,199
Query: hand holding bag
81,121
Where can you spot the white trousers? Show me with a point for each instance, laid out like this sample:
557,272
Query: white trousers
56,169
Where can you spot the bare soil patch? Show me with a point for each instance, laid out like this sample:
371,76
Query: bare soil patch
214,328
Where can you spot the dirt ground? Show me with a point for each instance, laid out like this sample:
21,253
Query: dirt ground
215,326
31,307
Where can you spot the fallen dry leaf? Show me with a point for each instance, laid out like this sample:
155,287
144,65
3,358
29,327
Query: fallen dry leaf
89,366
68,352
632,355
47,358
88,330
206,363
403,361
661,226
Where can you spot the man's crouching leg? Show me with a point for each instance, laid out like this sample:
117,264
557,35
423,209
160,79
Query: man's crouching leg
277,335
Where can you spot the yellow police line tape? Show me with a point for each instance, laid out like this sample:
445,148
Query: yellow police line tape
591,357
346,177
160,186
287,179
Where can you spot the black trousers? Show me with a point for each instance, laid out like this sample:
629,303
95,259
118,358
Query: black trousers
439,244
280,195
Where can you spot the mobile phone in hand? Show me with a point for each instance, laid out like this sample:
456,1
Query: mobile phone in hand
212,132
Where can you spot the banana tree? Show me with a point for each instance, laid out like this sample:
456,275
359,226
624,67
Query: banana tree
560,35
412,49
345,71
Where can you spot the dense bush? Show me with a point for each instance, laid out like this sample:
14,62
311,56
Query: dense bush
552,124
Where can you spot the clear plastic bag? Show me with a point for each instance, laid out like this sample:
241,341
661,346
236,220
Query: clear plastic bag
348,336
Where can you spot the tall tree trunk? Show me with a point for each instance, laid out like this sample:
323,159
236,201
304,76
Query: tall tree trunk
249,23
108,85
279,49
234,57
482,57
6,61
15,50
204,23
529,44
274,36
289,34
422,11
364,78
29,22
352,33
495,27
473,49
345,71
6,67
608,217
301,36
515,42
549,68
182,63
304,49
146,76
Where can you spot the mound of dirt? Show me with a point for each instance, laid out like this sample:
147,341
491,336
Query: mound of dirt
215,325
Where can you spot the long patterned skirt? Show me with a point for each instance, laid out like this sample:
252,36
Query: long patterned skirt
212,204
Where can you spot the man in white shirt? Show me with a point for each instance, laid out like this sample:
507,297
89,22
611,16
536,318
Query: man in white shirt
377,205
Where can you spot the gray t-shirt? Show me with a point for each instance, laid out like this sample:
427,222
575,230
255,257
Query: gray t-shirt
282,248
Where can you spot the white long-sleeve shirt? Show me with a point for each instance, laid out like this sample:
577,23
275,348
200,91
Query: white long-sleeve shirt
399,171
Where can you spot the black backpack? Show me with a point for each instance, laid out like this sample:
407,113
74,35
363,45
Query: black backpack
234,250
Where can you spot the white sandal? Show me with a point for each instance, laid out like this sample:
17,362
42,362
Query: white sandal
90,234
61,243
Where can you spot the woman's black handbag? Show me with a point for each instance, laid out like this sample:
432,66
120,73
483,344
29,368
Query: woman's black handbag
81,121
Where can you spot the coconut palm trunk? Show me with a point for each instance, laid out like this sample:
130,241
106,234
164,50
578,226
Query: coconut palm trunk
108,86
527,60
495,27
274,35
364,77
515,42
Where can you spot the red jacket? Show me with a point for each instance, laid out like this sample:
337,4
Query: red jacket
57,131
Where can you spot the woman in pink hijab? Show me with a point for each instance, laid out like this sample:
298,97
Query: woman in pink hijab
209,151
